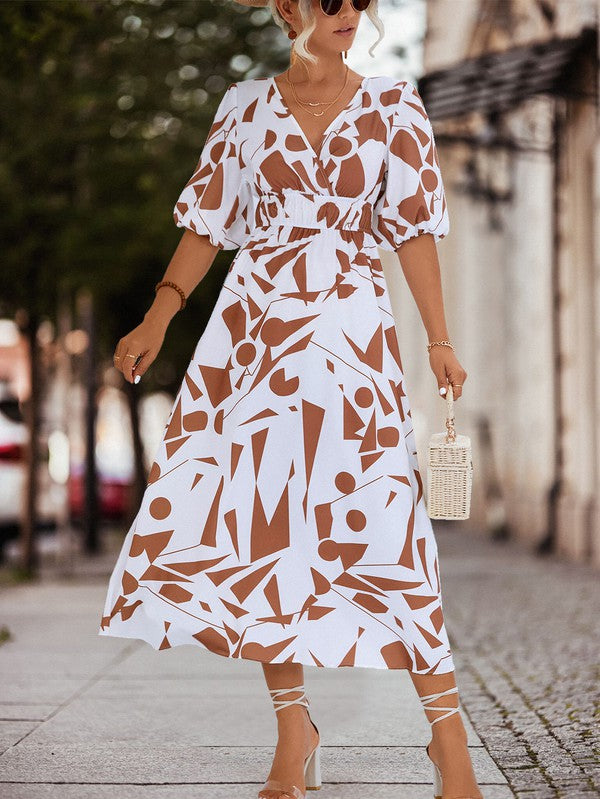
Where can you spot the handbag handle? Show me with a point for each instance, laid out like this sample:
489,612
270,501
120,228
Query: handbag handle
451,434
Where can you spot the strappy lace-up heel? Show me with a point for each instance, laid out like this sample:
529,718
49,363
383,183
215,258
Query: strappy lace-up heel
437,774
273,789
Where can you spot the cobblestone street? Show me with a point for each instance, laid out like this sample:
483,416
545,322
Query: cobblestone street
526,637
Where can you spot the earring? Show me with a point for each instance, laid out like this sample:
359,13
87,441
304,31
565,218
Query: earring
345,54
292,34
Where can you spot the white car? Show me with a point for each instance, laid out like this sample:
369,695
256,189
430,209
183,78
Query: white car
13,443
14,437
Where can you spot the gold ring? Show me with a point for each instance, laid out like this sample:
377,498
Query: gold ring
131,356
456,385
116,357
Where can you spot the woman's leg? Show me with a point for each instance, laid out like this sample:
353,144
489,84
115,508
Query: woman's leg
448,747
296,735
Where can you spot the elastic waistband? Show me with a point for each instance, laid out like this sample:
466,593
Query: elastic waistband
292,208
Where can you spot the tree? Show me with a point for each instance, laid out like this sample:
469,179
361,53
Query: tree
104,108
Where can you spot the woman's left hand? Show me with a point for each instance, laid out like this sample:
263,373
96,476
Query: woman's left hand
447,369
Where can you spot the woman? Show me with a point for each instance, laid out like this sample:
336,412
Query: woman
284,518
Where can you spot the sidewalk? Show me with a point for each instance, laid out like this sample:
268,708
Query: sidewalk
85,716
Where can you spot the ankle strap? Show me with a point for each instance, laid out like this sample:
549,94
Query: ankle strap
281,703
433,697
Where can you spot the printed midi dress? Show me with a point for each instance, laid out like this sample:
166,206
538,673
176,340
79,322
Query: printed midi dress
284,519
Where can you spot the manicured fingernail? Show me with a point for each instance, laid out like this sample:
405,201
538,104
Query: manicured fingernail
137,378
442,391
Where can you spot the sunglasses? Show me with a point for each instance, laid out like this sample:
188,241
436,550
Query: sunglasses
332,7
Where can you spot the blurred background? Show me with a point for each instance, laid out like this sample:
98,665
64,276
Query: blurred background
104,108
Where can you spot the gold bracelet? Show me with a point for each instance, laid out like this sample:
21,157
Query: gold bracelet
173,286
444,343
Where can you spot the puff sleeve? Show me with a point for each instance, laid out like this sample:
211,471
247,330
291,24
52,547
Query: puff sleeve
215,201
412,201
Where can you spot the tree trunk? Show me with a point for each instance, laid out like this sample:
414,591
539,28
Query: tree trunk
31,410
140,477
90,515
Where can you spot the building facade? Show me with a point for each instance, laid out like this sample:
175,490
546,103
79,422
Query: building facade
511,89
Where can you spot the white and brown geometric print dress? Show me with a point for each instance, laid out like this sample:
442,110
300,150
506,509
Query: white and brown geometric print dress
284,519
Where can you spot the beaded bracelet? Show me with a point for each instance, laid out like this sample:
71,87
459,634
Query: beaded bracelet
173,286
445,343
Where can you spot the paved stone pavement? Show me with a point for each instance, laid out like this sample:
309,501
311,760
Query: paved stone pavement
87,717
525,633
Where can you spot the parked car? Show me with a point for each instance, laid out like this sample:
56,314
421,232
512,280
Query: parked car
13,442
14,437
114,454
113,494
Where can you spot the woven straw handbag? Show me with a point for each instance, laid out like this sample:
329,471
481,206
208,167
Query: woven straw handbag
449,471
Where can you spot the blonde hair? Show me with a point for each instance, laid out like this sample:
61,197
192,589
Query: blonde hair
309,22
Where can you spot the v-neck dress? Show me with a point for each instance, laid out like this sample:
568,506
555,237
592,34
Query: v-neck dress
284,519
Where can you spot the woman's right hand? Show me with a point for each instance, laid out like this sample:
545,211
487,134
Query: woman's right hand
145,340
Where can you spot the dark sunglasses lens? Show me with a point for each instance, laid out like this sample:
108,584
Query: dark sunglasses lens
331,7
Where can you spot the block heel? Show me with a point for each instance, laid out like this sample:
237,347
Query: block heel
437,780
312,769
273,789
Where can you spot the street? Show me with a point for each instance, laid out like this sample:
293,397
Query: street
85,716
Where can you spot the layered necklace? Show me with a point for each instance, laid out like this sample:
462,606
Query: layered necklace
304,104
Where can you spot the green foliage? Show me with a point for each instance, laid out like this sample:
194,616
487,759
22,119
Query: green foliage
104,109
5,634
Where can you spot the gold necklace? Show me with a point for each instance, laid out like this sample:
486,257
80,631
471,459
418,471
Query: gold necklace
301,103
324,102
